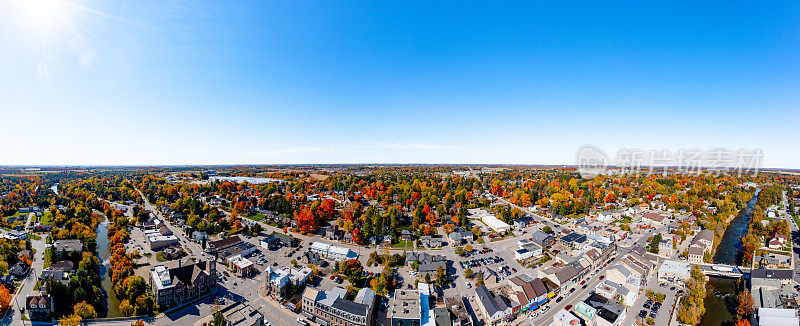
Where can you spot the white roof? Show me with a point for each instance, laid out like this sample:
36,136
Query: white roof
776,317
320,246
241,262
494,223
675,267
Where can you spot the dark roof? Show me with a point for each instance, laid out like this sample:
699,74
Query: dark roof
69,245
606,309
350,307
187,273
234,250
566,273
487,300
540,236
229,241
780,274
432,266
539,287
64,265
574,237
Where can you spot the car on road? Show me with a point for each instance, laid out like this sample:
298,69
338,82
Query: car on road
583,282
568,307
602,277
546,309
584,286
642,313
559,299
302,321
571,290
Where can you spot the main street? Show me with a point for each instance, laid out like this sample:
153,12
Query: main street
581,294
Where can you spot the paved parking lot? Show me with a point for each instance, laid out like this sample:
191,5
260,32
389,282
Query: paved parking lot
663,316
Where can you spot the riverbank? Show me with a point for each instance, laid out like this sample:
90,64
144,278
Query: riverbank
721,292
104,254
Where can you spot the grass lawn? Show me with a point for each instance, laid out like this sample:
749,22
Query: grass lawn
148,254
47,219
256,217
160,258
47,261
34,236
403,244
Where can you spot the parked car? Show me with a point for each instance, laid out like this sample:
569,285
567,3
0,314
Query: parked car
568,307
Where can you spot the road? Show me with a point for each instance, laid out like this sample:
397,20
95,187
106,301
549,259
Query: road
795,235
581,294
15,317
194,248
246,289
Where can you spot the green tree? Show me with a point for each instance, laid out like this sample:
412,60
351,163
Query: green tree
219,319
441,276
547,229
468,273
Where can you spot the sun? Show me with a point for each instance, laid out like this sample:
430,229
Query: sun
44,16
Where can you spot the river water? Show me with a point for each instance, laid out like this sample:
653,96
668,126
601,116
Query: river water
103,252
721,291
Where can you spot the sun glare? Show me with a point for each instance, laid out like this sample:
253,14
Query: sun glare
43,17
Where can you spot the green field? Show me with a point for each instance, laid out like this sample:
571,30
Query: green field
256,217
403,244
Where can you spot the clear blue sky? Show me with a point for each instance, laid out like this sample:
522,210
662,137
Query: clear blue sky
167,82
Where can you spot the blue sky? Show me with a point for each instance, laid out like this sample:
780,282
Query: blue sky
216,82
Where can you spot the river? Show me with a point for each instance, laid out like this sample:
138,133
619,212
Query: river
103,252
721,292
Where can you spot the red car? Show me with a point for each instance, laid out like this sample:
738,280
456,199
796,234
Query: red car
602,277
568,307
583,282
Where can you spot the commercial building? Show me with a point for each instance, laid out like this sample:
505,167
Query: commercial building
406,308
218,245
333,252
275,282
459,316
241,266
490,220
157,241
330,308
672,270
236,314
597,310
494,308
173,286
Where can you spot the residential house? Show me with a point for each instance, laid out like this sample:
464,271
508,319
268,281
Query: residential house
39,306
66,247
778,241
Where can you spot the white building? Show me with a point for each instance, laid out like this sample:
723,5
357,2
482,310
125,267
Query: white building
333,252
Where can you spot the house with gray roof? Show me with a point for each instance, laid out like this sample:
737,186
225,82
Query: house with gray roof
494,308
